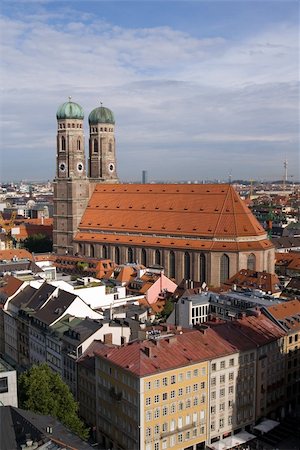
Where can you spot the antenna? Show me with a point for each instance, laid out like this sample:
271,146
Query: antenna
285,165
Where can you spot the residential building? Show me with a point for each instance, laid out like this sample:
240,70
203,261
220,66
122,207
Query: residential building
8,385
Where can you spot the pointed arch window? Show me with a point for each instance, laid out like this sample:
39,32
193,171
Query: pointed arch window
130,255
117,255
224,268
63,144
157,257
144,257
251,260
202,268
92,251
96,146
104,252
172,263
110,146
187,266
78,144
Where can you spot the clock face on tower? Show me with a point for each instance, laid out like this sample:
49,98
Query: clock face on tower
62,167
80,167
111,167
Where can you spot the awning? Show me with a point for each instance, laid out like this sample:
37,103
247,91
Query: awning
266,425
232,441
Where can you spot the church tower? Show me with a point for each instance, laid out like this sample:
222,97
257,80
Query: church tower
102,157
71,185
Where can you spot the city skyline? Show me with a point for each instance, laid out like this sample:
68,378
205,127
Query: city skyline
199,90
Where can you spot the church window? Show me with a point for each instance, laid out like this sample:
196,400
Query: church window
172,264
104,252
73,125
105,129
96,147
64,125
68,125
157,257
78,144
101,129
130,255
187,266
60,125
202,268
80,248
117,255
251,262
224,268
144,257
92,251
63,143
110,147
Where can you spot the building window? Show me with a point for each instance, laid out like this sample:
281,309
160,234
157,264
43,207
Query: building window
110,147
165,381
156,398
224,268
172,264
92,251
148,416
173,379
165,411
202,268
117,255
63,144
104,252
213,367
165,396
187,266
231,362
130,255
156,413
96,146
78,144
251,262
144,257
222,365
148,432
156,429
148,401
3,385
157,257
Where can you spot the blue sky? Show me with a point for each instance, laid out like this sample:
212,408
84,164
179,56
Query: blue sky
198,89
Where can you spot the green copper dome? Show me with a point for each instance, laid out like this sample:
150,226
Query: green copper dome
70,110
101,115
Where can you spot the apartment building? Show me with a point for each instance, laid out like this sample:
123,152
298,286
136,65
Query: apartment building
154,394
8,385
287,315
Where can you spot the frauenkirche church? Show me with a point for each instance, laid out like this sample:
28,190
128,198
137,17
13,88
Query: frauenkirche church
202,232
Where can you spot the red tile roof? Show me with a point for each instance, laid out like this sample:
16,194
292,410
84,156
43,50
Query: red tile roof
288,313
8,254
200,211
252,279
10,285
150,356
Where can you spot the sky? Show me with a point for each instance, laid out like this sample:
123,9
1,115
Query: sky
200,90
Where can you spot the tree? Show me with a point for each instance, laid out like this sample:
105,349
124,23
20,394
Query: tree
38,243
43,391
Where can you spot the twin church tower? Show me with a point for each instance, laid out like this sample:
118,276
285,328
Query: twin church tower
74,182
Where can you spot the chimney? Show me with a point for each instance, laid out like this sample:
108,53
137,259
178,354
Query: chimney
203,329
107,338
172,340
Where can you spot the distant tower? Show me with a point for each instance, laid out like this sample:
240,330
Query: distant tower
71,186
285,176
102,156
144,177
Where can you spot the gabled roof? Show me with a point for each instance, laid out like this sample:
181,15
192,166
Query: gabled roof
150,356
200,211
252,279
288,314
19,253
55,307
40,296
10,286
23,297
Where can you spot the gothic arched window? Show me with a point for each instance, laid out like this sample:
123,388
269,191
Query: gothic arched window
92,251
130,255
110,147
224,268
117,255
144,257
78,144
172,267
104,252
157,257
187,266
251,260
202,268
96,147
63,143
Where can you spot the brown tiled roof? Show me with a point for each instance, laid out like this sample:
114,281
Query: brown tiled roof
290,260
10,285
199,211
252,279
8,255
287,313
23,297
151,356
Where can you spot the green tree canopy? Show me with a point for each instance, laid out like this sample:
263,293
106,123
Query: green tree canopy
43,391
38,243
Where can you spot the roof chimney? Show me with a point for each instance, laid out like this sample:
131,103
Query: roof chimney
203,329
148,351
107,338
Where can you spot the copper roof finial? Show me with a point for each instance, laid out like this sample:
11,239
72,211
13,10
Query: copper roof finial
70,98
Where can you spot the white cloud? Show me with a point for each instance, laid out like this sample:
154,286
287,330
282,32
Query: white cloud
171,93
